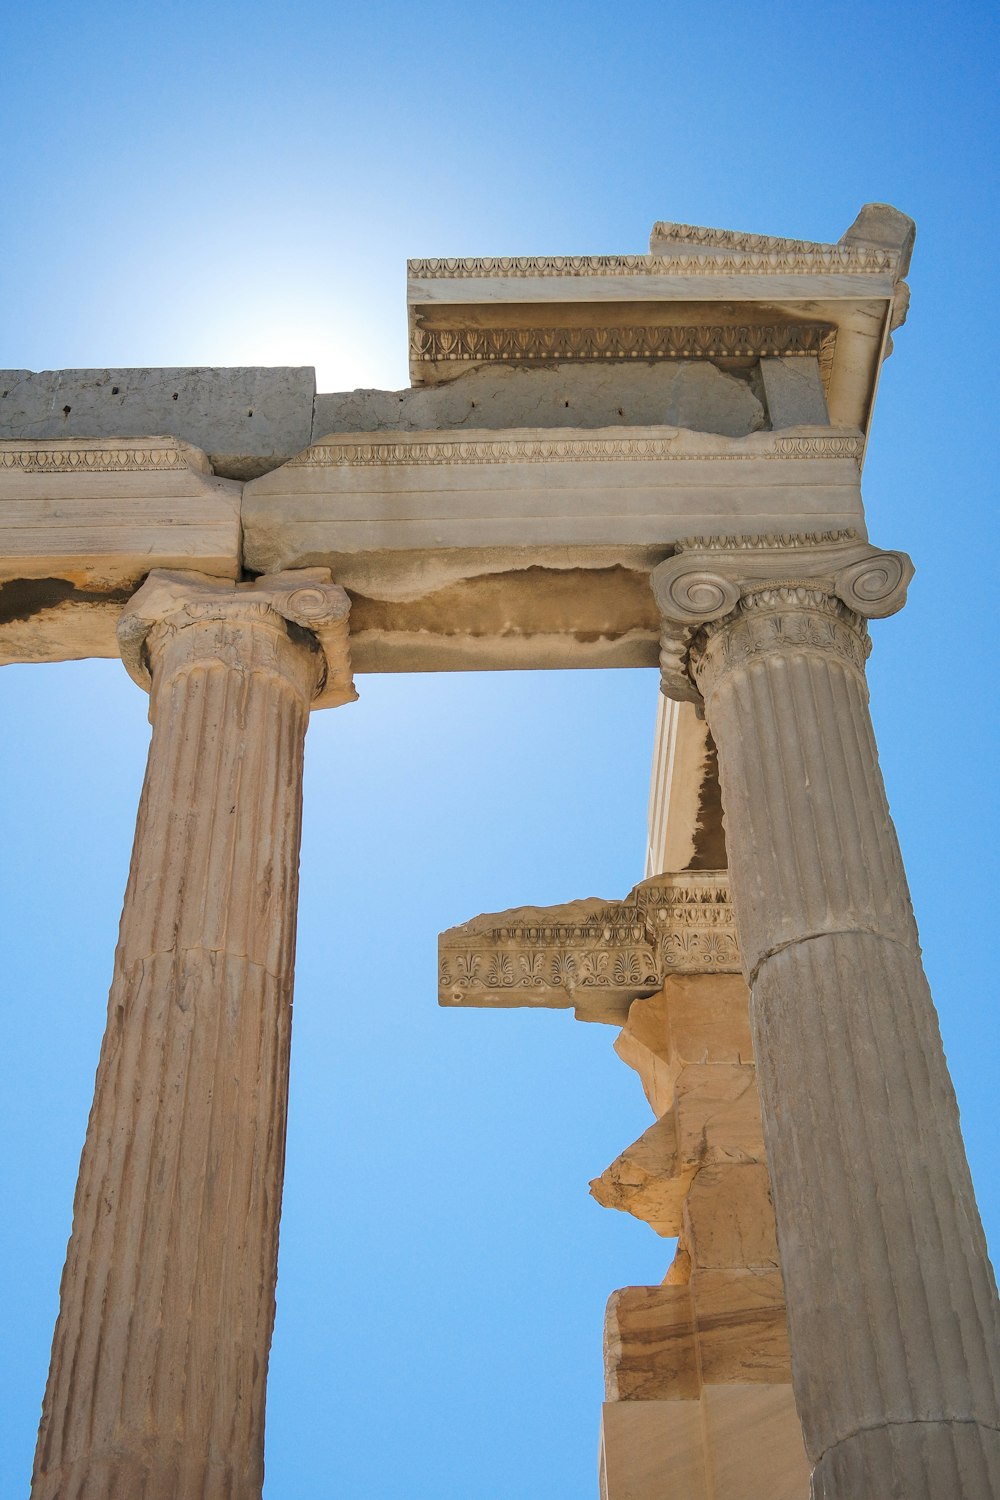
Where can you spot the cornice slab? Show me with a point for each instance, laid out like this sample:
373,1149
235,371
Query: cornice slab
82,521
701,293
594,956
866,272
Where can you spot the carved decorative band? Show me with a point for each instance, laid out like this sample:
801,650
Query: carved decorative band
561,450
820,447
664,233
771,620
95,460
545,956
812,261
533,345
770,541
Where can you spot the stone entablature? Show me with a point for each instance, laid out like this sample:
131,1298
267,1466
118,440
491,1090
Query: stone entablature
459,550
699,294
596,956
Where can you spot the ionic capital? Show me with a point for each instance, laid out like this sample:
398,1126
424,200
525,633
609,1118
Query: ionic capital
305,599
724,600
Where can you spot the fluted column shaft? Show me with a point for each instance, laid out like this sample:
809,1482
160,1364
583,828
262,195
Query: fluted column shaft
892,1306
157,1381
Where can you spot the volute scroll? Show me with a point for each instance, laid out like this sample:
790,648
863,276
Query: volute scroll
710,579
305,597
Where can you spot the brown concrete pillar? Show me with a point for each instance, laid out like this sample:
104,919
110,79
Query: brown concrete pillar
159,1360
892,1305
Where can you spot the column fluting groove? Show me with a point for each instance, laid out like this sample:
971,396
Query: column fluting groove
157,1381
892,1306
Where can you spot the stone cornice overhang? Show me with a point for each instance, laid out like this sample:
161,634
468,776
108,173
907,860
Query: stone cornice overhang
526,548
701,294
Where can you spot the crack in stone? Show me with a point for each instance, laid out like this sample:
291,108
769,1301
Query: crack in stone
813,937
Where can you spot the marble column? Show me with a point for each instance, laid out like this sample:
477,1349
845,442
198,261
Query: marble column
159,1360
892,1304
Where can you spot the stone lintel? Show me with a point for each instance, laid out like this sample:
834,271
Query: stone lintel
246,418
594,956
460,550
531,548
82,522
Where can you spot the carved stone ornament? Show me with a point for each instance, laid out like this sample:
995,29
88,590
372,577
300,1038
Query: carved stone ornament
794,257
596,956
515,345
305,598
805,590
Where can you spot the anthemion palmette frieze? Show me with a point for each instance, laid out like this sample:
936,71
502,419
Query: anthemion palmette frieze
792,256
596,956
627,341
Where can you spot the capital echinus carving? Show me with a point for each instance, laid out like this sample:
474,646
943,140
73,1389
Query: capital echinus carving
892,1306
159,1360
817,590
306,598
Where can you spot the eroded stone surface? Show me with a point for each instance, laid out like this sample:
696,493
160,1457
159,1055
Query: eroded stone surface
714,1121
167,1299
718,1320
892,1304
649,1180
697,396
650,1352
729,1219
671,1342
794,392
248,419
689,1021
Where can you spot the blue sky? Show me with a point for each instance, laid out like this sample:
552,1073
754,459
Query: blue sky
225,184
